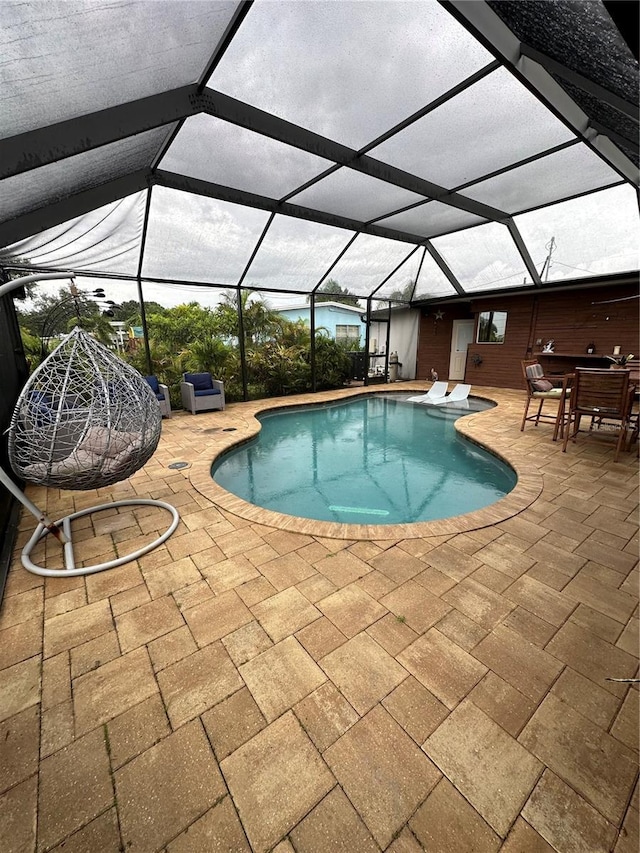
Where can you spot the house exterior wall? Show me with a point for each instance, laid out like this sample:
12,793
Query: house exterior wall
572,318
329,315
403,339
434,340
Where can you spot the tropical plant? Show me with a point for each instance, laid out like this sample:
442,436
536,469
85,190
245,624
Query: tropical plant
214,356
296,333
32,347
280,369
182,326
260,322
332,363
167,365
129,311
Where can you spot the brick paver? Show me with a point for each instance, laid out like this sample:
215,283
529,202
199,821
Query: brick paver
261,683
382,771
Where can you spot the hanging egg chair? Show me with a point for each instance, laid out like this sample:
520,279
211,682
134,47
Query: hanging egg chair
84,420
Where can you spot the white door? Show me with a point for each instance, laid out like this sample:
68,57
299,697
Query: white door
461,337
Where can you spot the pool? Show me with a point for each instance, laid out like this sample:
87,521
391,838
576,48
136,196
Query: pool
369,460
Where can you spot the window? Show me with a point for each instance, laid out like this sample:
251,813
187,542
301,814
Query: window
491,327
348,334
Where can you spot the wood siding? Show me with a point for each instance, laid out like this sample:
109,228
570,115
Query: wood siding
434,339
573,319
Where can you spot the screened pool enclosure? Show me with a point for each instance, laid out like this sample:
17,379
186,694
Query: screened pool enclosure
411,151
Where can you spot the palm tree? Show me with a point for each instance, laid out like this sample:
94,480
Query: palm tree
215,357
261,323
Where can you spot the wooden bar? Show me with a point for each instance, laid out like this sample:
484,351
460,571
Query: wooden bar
566,362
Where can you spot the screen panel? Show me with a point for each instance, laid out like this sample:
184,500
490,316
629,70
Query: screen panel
213,150
596,234
402,283
107,239
116,290
346,70
488,126
560,175
430,219
200,239
483,258
367,262
39,187
83,57
353,194
295,254
432,282
170,294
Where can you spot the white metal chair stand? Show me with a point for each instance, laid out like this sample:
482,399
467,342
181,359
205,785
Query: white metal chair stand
64,525
84,420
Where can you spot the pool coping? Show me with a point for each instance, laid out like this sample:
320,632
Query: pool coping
527,489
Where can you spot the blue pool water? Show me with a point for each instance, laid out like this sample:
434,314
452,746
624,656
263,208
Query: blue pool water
372,460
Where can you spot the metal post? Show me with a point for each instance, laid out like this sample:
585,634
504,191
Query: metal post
243,357
386,358
366,342
145,329
312,351
42,517
143,313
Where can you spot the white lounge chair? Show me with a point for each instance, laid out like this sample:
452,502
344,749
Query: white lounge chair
458,395
436,392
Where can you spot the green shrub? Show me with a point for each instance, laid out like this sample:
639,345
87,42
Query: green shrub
332,363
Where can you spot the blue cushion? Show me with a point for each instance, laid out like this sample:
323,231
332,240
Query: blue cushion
159,396
206,392
41,398
40,406
153,381
200,381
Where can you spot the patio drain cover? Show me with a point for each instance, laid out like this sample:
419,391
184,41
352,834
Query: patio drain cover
178,465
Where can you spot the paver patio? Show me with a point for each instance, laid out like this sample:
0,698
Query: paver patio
263,683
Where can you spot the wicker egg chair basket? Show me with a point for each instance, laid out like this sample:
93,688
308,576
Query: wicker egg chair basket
84,420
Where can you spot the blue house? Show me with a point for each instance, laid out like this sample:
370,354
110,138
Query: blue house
342,322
